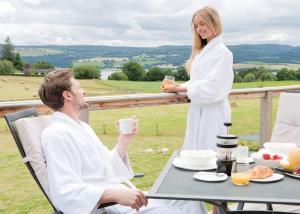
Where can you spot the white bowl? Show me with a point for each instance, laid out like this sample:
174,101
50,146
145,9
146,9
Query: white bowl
279,148
257,157
198,157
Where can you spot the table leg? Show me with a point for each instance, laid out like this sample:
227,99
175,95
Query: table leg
240,206
223,208
269,207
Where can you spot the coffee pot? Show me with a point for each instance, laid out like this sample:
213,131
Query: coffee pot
225,146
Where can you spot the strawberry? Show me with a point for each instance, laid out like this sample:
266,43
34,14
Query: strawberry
266,156
276,157
297,170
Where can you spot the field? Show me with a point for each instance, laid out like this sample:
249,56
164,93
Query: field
256,64
37,51
160,127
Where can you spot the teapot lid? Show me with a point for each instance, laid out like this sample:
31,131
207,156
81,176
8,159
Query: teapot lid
227,141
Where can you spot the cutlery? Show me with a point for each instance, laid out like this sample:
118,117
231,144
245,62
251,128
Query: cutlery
219,174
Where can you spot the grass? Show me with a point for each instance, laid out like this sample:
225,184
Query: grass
24,88
19,193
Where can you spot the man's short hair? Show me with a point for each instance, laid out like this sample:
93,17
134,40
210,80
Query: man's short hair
53,86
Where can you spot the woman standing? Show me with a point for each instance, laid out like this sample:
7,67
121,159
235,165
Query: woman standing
211,78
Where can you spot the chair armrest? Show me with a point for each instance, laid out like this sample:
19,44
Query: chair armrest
106,205
138,175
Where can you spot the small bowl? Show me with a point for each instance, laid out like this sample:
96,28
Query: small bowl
257,157
198,157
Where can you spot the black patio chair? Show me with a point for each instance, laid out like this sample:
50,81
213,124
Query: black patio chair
11,119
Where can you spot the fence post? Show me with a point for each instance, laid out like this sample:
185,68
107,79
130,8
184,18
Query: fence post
265,118
104,129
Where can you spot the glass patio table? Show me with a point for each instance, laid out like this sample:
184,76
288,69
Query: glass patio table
175,183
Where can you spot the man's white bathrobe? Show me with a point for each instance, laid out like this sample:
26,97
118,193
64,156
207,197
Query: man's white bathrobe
210,83
80,168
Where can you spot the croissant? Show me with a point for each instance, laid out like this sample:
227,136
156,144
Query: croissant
261,172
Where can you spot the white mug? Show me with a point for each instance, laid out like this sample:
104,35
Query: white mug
126,125
241,154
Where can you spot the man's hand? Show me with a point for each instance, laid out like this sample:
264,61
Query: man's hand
133,198
124,139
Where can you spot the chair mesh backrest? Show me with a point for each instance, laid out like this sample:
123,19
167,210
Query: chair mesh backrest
287,123
29,131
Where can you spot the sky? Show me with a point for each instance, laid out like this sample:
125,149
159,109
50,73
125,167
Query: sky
145,23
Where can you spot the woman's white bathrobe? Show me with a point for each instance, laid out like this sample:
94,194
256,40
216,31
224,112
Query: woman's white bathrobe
80,168
210,83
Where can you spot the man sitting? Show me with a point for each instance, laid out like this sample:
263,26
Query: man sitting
82,172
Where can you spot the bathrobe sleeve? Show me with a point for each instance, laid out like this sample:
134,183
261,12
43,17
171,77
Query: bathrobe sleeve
217,84
68,192
122,167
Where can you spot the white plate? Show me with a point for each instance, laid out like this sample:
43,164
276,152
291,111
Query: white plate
210,176
292,175
274,177
178,162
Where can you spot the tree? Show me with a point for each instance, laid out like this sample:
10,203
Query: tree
237,77
6,67
285,74
42,65
154,74
249,78
167,71
268,76
134,71
297,74
86,72
8,50
18,63
118,76
181,74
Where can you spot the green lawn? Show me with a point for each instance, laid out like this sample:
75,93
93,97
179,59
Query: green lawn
160,126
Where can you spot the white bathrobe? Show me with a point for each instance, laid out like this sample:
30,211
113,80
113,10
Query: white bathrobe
80,168
210,83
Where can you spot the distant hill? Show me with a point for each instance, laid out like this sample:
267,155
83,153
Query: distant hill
63,56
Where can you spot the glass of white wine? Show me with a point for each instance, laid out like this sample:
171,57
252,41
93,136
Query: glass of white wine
170,78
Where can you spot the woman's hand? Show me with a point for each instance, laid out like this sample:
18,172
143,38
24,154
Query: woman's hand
171,87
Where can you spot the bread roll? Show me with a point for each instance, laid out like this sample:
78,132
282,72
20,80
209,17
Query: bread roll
259,172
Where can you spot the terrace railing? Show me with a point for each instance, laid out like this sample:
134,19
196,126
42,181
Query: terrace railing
138,100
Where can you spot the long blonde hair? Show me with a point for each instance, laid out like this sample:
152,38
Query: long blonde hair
212,19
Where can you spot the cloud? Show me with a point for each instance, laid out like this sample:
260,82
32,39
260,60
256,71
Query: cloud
144,23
